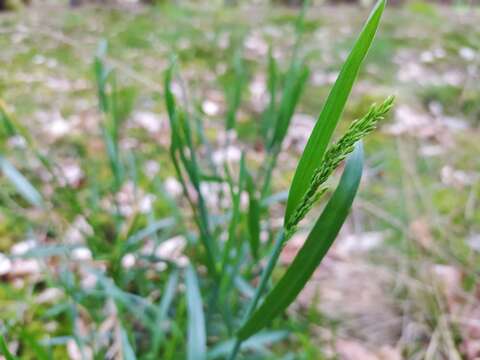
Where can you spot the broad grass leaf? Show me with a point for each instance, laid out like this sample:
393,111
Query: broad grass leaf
320,137
21,184
313,251
197,338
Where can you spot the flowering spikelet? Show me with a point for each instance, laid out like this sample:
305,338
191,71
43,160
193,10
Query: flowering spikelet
334,156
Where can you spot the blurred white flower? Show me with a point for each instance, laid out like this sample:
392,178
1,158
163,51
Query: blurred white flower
172,249
148,120
230,154
128,261
48,295
408,120
17,141
456,178
474,242
58,84
467,53
21,248
299,131
359,243
38,59
70,173
25,267
210,107
82,254
151,168
173,186
427,57
146,203
5,264
75,234
54,125
320,78
131,199
255,44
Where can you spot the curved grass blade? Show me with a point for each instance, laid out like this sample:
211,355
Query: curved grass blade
317,143
4,350
257,343
197,338
312,252
23,186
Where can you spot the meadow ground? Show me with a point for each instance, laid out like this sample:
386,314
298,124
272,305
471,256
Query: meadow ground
402,279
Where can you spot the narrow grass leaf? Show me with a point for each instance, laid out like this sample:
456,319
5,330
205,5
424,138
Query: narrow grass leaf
181,138
313,251
4,350
101,75
268,118
168,296
127,351
21,184
253,217
6,121
236,211
331,112
197,338
234,90
295,81
134,240
257,342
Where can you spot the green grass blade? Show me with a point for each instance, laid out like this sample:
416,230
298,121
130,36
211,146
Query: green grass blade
268,117
127,351
101,75
135,240
4,350
256,343
234,90
236,211
294,83
312,252
23,186
332,110
197,338
168,296
6,121
253,217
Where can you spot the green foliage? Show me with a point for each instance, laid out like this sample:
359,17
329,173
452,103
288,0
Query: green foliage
4,350
204,305
197,339
312,252
335,155
21,184
312,156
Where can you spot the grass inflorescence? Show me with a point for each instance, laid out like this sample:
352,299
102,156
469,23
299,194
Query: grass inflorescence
215,296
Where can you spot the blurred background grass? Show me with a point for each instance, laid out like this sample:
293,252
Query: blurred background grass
402,280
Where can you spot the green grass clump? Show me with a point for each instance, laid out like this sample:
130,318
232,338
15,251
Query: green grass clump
213,298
